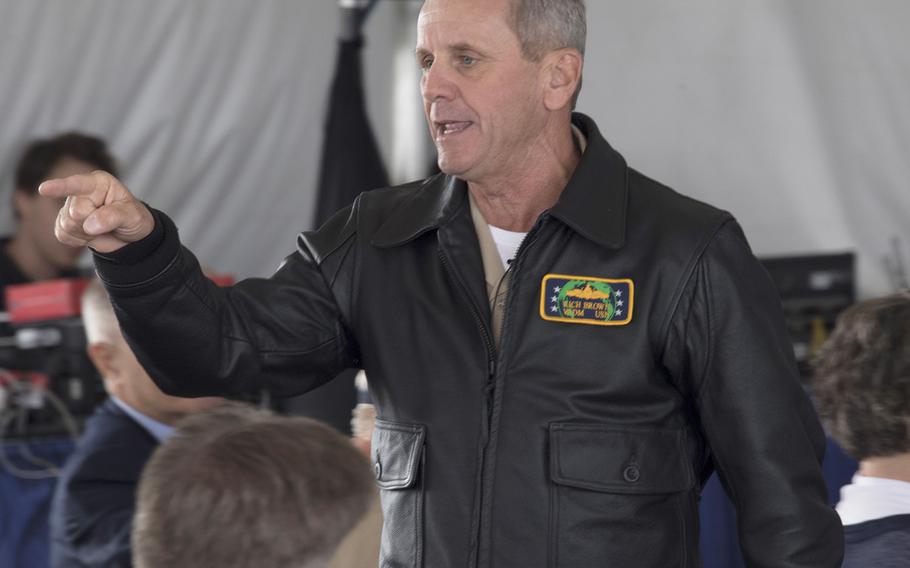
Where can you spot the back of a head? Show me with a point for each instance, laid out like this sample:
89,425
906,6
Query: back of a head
239,487
862,378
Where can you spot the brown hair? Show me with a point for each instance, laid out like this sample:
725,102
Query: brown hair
241,487
862,378
41,156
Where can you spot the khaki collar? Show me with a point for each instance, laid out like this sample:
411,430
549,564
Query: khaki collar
493,268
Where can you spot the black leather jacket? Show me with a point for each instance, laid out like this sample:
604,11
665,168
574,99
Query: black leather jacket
574,445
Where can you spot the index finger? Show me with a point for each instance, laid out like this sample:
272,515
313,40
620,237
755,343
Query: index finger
80,184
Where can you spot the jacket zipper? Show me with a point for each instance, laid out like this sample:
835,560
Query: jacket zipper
490,387
488,402
515,267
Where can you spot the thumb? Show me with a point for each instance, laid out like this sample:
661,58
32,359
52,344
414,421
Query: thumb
129,221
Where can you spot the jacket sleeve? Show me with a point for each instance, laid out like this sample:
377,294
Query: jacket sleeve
284,333
728,343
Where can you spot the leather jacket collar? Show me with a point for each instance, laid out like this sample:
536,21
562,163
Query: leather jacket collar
597,215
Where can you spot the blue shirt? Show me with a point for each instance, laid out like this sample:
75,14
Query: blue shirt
160,431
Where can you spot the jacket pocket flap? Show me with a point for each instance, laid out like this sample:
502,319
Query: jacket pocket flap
396,453
619,460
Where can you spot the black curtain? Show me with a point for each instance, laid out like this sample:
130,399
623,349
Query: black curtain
351,164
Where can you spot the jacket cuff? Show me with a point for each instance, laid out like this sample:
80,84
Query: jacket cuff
142,260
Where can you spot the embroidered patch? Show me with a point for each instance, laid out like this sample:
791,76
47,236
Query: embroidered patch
585,299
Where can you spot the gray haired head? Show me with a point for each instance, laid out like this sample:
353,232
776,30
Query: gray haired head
546,25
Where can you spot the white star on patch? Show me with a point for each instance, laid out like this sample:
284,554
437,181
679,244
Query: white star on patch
554,298
556,288
619,312
618,302
619,293
553,309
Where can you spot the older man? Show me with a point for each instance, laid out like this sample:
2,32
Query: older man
560,349
94,501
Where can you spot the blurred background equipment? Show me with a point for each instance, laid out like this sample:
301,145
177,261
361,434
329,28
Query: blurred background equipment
47,388
814,289
50,384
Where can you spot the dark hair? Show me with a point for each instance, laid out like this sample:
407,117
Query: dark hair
238,487
42,156
862,378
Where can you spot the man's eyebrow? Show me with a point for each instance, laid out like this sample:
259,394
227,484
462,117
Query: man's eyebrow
464,47
461,46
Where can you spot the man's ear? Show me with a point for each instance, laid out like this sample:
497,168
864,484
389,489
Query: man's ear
562,73
102,356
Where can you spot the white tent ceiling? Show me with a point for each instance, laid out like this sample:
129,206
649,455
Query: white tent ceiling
789,114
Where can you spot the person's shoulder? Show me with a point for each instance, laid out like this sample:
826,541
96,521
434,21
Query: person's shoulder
657,212
881,542
381,202
10,273
649,196
898,524
370,210
113,447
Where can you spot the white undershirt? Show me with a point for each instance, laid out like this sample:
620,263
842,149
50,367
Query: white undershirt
869,498
507,243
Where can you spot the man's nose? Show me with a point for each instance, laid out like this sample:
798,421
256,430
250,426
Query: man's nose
437,83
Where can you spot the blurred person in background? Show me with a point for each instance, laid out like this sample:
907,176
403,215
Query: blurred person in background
239,487
862,389
32,253
94,499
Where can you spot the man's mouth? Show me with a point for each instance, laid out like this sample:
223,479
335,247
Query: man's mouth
450,127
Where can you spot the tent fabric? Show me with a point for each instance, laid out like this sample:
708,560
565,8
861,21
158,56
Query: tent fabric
789,114
351,162
792,115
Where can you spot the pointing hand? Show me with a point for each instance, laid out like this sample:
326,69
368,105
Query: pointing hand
99,212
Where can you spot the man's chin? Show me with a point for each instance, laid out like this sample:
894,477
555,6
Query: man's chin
451,166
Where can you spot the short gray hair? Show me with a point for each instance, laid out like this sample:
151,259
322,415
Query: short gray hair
546,25
543,26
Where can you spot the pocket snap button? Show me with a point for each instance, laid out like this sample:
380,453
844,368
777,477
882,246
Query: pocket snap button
377,470
631,473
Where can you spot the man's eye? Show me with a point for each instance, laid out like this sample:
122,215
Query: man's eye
426,62
467,60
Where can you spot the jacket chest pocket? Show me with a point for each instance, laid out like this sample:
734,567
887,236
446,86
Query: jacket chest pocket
618,496
398,461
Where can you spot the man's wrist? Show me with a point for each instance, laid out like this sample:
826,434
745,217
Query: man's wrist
142,260
135,252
